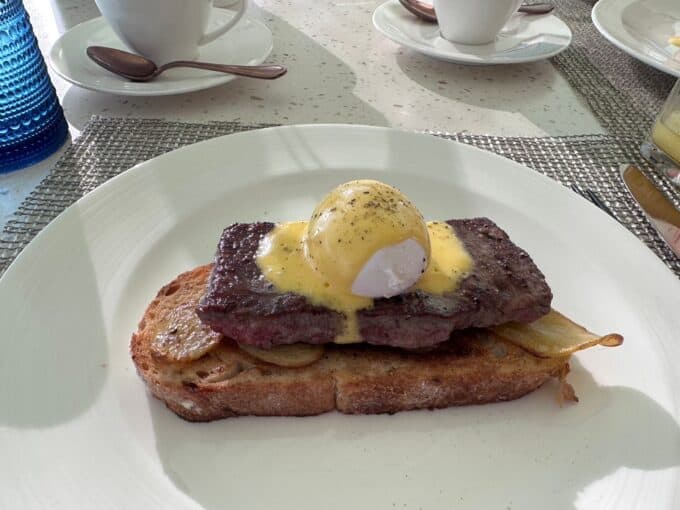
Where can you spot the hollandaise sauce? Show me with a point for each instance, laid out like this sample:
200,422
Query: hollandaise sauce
284,260
449,260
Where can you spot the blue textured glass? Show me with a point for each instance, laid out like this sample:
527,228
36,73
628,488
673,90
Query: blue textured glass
32,124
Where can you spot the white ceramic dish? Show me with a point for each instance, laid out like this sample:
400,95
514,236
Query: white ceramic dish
642,28
248,43
78,429
523,39
477,22
166,30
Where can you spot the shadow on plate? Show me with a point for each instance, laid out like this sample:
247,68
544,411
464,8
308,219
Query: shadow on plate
55,359
314,77
523,454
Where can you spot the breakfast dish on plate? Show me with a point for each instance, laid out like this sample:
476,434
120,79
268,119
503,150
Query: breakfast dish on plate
365,308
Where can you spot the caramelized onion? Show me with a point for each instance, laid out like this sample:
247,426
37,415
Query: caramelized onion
184,338
554,335
291,356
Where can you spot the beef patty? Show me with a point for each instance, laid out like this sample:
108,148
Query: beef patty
504,286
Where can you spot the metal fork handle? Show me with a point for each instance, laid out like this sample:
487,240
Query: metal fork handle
593,198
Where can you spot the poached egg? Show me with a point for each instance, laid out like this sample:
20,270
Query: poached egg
369,239
364,240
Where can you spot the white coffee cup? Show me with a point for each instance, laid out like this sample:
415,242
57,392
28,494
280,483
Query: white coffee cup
473,21
165,30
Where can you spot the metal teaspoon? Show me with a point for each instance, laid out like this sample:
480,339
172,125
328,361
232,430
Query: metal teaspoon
137,68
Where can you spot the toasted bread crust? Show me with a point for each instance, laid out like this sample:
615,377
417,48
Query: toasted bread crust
474,367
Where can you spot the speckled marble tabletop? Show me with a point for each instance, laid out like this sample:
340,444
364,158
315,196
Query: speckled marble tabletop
340,70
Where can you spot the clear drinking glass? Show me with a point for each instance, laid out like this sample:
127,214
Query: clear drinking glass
32,124
663,147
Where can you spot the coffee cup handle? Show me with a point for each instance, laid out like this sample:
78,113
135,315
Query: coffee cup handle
211,36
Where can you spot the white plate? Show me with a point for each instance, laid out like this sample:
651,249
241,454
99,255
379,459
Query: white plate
248,43
523,39
78,429
642,28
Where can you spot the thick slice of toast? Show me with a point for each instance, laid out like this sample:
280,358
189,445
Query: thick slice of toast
474,367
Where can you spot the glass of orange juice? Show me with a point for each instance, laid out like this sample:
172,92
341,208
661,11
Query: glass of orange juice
663,147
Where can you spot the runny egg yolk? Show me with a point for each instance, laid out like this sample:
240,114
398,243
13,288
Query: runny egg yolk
365,240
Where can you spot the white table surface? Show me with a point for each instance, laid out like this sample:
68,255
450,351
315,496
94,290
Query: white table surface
340,70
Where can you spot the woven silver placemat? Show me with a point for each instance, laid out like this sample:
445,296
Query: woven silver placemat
109,146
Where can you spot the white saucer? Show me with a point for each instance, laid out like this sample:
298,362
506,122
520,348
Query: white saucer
248,43
642,28
524,38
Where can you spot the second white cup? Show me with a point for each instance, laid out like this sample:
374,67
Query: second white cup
473,21
165,30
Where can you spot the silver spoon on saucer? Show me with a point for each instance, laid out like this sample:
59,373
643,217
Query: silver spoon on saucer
426,12
137,68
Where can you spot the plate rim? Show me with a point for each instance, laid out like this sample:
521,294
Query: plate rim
463,58
141,167
54,61
596,16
